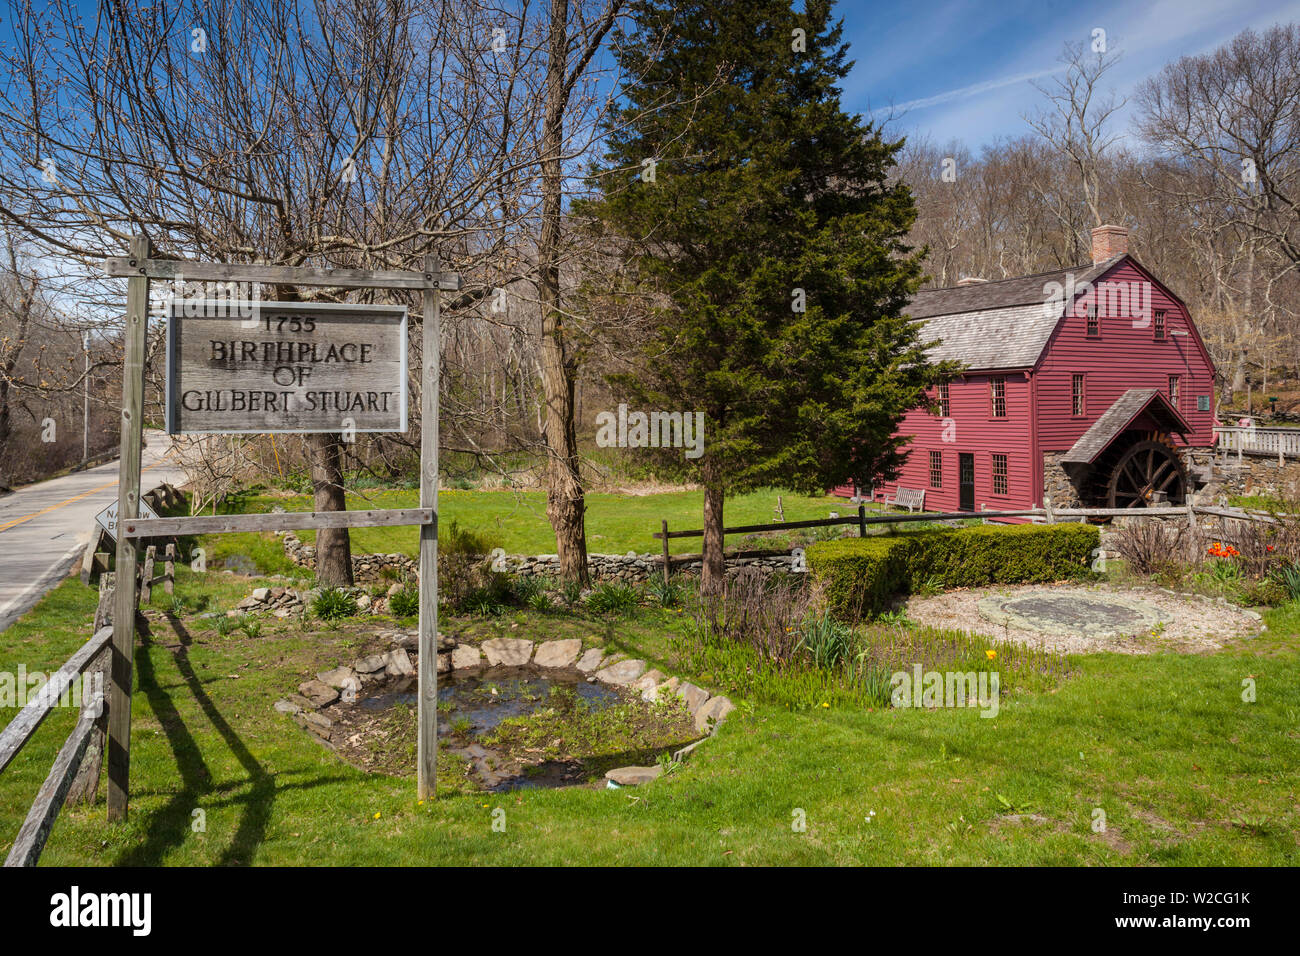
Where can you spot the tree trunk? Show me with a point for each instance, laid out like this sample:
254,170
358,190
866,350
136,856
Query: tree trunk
565,501
333,545
715,566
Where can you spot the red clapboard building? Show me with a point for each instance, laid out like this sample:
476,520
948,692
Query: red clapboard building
1088,386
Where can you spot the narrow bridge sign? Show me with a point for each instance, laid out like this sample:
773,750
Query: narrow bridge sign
241,367
107,519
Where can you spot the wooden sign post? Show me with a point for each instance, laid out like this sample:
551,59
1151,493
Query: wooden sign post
267,368
128,504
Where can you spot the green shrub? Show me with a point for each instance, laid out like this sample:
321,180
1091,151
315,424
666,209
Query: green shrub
1266,591
334,603
665,593
610,597
860,575
571,591
405,602
526,587
829,643
484,602
465,575
250,626
1288,577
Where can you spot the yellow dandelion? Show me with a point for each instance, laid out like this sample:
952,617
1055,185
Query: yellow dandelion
376,816
825,703
991,654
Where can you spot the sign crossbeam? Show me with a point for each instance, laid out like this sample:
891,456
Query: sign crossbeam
288,521
267,274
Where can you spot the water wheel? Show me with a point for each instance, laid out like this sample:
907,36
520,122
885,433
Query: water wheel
1143,473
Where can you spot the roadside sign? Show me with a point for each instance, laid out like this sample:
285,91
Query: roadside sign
285,367
107,519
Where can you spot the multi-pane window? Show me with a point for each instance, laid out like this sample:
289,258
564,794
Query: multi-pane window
936,469
999,474
998,394
1094,321
1160,323
945,406
1077,406
1173,390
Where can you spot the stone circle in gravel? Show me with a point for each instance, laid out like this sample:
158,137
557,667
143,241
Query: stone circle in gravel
1086,619
1057,612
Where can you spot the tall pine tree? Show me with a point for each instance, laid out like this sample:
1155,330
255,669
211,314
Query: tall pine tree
760,219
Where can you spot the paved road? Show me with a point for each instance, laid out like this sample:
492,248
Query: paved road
44,527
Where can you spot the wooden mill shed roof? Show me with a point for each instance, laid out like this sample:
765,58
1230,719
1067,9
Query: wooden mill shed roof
996,325
1120,416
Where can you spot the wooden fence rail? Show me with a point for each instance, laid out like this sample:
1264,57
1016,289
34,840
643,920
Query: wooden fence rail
65,778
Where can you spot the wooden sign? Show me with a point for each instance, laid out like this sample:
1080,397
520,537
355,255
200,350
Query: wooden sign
258,367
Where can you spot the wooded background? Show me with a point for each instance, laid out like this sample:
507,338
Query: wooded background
368,133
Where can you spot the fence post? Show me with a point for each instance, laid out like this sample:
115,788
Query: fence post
664,524
1047,506
1193,530
146,575
85,785
862,521
169,568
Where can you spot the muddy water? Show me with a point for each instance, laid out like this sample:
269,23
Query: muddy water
487,697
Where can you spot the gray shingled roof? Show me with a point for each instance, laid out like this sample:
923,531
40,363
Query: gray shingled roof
1117,418
997,338
1002,324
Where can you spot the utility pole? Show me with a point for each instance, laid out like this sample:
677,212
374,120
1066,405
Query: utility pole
85,398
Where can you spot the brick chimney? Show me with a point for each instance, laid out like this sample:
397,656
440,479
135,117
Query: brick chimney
1108,242
971,280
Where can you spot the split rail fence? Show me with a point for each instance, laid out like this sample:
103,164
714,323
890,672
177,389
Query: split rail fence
74,777
862,520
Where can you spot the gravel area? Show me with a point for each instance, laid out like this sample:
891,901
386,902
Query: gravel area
1191,623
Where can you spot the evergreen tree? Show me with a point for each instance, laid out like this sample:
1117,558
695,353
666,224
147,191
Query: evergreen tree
761,220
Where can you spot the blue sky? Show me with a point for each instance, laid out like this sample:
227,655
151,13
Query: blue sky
964,70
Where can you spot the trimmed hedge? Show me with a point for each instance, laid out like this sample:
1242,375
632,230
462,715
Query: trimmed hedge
862,574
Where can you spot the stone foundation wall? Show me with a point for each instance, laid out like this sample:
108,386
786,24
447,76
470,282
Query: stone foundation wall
1060,488
630,568
1258,475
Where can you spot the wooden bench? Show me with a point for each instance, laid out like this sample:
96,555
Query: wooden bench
909,498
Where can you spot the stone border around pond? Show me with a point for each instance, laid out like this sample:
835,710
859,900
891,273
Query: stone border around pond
345,682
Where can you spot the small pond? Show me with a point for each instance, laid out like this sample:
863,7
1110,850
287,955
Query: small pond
487,697
570,729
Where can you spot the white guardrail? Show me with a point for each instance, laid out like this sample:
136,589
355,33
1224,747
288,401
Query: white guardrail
1280,443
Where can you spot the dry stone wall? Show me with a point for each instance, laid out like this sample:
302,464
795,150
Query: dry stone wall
629,568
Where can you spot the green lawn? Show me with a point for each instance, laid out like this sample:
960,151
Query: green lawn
517,521
1185,771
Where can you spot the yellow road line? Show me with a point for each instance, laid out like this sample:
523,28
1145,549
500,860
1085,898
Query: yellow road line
61,504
